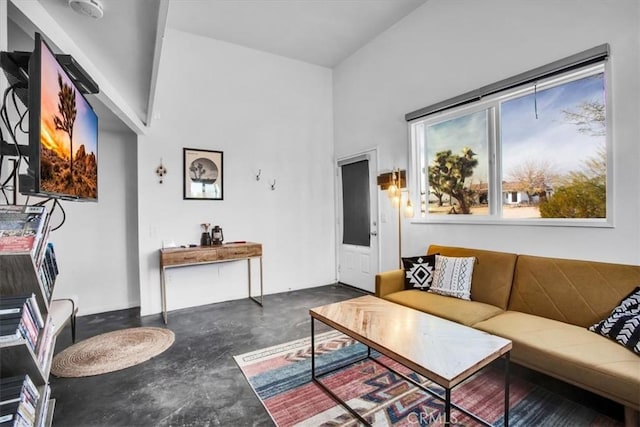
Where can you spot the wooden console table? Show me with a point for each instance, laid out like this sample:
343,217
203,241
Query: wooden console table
183,257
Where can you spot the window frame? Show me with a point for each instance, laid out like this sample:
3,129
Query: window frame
492,104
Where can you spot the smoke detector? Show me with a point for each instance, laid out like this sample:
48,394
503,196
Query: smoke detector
91,8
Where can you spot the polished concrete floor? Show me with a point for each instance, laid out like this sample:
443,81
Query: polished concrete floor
196,382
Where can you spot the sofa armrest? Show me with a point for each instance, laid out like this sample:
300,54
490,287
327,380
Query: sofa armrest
388,282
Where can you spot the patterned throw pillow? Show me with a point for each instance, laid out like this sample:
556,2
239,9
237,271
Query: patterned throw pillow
623,324
418,271
452,276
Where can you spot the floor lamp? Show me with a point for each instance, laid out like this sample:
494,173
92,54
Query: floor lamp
395,182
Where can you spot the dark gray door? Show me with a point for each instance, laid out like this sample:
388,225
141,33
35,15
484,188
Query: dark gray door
358,257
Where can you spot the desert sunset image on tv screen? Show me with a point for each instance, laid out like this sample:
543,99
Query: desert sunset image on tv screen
68,135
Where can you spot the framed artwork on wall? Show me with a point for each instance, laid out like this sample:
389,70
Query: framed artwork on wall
202,175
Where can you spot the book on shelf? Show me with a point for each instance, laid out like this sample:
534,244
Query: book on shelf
40,250
20,318
10,416
48,270
50,259
22,228
45,346
10,335
45,279
9,323
17,396
13,303
16,415
23,381
14,393
46,395
18,392
18,401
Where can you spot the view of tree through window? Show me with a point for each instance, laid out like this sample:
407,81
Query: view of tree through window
457,155
554,156
549,141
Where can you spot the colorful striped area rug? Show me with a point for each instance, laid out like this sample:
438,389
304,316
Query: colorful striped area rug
281,378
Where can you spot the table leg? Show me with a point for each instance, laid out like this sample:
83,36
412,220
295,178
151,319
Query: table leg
261,293
506,389
313,352
163,292
447,407
316,380
249,273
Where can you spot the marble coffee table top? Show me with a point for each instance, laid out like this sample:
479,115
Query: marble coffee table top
441,350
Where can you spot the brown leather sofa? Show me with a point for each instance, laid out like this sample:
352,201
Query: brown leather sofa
544,306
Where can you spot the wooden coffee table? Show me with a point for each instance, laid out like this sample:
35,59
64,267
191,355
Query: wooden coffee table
443,351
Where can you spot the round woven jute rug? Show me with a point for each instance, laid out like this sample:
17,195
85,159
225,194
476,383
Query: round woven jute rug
111,352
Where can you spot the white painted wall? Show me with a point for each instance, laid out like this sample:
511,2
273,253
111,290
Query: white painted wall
264,112
446,48
97,246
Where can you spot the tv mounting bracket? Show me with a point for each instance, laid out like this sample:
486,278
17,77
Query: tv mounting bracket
16,68
16,65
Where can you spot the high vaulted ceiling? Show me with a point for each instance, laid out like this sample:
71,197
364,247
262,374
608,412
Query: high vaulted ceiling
125,44
322,32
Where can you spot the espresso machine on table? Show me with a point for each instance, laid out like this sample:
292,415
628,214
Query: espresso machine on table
205,237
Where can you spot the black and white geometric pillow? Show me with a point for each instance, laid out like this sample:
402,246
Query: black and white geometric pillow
452,276
418,271
623,324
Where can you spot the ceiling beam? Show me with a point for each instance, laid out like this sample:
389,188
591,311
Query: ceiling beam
31,16
163,11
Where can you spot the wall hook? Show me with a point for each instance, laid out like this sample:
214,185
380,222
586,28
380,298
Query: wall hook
161,171
258,175
273,186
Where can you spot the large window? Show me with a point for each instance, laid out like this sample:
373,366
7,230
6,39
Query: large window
535,153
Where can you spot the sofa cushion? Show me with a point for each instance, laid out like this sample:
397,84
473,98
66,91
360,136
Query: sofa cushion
457,310
419,271
492,273
452,276
623,324
578,292
570,353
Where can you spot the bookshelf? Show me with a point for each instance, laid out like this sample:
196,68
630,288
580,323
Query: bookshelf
26,282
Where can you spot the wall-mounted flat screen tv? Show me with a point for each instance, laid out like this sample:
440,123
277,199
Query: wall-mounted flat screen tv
63,133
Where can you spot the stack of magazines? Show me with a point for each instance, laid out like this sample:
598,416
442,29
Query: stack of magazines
25,229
